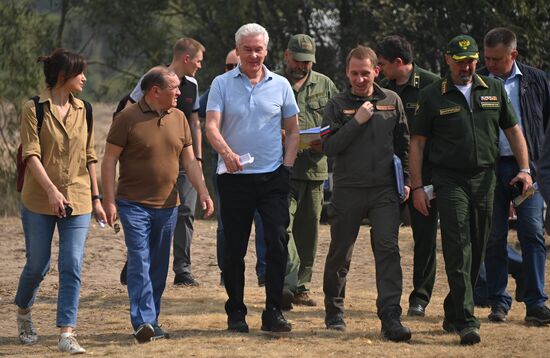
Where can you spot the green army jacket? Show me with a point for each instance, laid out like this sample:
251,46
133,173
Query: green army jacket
460,138
311,99
408,93
363,154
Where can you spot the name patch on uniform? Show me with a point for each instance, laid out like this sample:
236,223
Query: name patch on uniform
385,108
449,110
490,105
489,102
410,105
349,112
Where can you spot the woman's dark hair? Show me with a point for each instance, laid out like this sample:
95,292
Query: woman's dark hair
62,61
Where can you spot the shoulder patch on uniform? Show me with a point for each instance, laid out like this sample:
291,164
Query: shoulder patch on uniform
482,82
444,86
385,108
449,110
416,80
410,105
349,112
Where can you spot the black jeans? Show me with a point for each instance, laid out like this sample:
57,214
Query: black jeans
240,196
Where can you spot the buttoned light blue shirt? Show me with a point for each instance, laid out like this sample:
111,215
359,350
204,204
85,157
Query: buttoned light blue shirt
512,85
252,116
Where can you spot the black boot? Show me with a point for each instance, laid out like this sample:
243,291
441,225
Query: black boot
392,328
273,321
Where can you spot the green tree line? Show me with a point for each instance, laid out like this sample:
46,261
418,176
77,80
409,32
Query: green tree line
122,39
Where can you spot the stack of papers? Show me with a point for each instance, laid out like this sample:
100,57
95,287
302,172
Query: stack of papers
244,159
309,135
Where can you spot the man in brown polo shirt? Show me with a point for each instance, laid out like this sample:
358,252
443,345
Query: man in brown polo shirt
149,138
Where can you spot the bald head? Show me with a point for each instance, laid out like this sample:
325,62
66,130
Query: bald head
232,60
232,57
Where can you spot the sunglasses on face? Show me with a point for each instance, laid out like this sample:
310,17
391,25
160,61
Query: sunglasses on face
230,66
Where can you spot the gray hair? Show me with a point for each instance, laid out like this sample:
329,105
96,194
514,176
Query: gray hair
251,29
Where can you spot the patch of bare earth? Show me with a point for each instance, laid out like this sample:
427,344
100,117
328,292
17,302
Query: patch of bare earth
196,320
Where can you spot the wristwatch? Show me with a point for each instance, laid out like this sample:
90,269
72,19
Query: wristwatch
525,170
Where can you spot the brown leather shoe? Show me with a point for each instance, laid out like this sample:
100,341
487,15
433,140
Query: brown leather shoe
303,299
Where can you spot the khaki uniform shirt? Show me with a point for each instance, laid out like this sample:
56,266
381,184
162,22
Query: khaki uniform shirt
152,150
65,150
460,138
311,99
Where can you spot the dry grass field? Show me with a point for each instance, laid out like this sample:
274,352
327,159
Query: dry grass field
196,319
197,322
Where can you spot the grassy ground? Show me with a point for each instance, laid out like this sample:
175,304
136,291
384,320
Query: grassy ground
195,316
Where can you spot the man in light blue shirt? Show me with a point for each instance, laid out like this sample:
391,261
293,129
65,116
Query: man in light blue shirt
528,90
247,109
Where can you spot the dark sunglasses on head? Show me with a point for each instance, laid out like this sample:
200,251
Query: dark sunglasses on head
230,66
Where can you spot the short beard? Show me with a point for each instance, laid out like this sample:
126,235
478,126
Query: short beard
464,80
297,74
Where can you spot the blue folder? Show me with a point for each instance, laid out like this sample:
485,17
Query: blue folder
399,180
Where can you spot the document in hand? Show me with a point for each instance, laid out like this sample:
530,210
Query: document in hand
245,159
399,179
309,135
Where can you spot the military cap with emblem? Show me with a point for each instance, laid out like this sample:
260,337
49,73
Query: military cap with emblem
302,47
461,47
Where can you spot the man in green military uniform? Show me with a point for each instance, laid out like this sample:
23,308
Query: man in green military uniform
312,91
367,128
460,115
406,78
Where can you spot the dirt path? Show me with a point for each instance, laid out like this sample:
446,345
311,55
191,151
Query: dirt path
197,322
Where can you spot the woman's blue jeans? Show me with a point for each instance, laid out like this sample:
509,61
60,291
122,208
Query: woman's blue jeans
38,229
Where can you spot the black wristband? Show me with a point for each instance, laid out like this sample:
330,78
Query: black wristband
97,197
418,187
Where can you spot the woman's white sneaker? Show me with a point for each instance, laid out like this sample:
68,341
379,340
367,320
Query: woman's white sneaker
69,344
27,333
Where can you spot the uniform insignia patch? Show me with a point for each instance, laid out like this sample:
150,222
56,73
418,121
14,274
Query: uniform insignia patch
417,108
464,44
488,98
449,110
349,112
410,105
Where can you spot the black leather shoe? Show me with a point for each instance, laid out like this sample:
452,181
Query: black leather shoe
184,279
392,328
124,274
144,333
273,321
416,310
236,322
539,316
159,333
498,314
335,322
